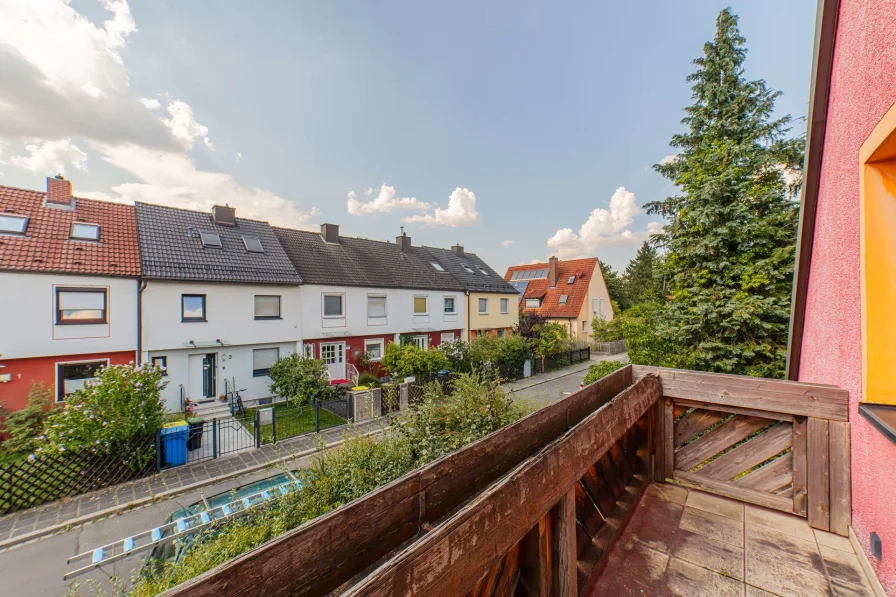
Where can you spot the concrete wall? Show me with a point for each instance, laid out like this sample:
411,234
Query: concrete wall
28,316
494,319
862,89
400,318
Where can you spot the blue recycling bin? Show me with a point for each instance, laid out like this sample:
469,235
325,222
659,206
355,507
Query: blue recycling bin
174,441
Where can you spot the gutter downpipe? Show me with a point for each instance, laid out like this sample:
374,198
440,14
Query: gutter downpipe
819,97
141,286
469,331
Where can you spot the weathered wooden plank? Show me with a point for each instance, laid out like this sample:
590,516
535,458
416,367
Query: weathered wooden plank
451,558
668,439
599,489
536,559
770,478
510,574
696,423
564,546
620,459
819,506
659,442
333,548
752,453
800,466
737,380
841,491
721,438
587,512
726,409
679,410
731,490
612,476
486,584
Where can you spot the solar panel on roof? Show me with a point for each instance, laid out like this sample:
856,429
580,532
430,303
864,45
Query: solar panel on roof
253,245
520,287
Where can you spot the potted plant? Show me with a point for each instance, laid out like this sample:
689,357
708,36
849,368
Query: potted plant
196,423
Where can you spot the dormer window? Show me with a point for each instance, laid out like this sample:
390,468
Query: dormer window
253,245
532,303
210,239
12,224
82,231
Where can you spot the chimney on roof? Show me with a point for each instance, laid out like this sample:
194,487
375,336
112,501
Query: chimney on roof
403,241
224,215
330,233
553,271
458,250
59,191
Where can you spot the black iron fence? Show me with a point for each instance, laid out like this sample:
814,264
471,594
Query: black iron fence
564,358
45,477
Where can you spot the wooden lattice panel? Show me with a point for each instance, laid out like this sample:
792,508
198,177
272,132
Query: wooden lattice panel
735,454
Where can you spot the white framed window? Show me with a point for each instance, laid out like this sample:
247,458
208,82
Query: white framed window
374,348
533,303
446,337
585,326
83,231
483,306
331,354
334,305
421,304
450,305
505,306
72,376
376,306
420,341
594,305
308,351
601,307
267,306
81,306
263,359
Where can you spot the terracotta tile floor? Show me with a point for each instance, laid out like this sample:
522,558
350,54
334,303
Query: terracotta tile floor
691,544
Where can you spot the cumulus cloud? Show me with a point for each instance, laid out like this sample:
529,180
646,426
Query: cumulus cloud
51,157
603,227
150,103
184,125
384,202
669,159
461,211
507,243
238,156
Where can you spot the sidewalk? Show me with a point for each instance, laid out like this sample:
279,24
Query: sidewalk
541,378
51,518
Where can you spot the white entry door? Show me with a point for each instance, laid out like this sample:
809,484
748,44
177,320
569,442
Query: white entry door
333,355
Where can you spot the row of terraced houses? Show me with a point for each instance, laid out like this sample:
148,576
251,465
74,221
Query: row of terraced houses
216,299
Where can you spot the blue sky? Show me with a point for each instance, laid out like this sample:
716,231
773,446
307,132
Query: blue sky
539,111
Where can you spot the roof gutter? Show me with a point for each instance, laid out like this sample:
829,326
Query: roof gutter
822,68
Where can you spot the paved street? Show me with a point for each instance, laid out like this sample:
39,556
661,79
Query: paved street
36,568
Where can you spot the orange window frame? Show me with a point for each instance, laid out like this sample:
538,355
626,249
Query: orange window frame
877,191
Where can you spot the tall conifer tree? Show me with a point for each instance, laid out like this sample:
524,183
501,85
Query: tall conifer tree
730,237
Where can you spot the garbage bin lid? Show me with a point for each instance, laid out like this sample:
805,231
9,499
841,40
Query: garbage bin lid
175,428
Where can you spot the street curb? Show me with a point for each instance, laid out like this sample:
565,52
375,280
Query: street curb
538,383
146,501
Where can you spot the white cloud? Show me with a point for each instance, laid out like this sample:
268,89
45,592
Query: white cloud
184,125
50,157
602,228
171,178
150,103
238,156
507,243
384,202
461,211
669,159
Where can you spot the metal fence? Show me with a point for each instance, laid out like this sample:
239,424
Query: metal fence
609,348
564,358
48,477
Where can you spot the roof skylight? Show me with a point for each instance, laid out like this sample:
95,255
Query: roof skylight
482,270
82,231
563,298
571,280
467,268
438,266
253,245
13,224
210,239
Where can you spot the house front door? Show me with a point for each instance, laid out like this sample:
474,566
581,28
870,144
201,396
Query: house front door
203,382
333,356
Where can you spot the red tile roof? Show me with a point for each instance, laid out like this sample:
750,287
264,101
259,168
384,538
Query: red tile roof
577,292
46,246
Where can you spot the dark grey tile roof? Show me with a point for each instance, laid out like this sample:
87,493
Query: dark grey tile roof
171,249
477,281
362,262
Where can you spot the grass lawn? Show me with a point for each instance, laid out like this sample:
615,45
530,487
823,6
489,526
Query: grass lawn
291,420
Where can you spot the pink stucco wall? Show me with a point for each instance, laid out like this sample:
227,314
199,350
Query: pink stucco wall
863,88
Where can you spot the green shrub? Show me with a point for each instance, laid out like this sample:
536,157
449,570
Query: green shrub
499,357
122,403
23,427
436,426
369,380
408,360
603,330
602,369
300,380
458,354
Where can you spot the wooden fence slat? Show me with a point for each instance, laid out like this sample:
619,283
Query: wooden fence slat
838,441
800,466
750,454
730,490
713,442
737,410
764,400
510,574
564,547
669,448
772,477
696,423
819,507
536,559
659,442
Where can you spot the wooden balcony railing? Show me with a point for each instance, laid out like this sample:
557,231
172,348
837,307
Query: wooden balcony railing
534,509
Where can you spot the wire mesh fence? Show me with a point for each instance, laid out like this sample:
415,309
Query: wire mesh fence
47,477
565,358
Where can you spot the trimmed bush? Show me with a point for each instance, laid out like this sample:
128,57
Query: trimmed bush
602,369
